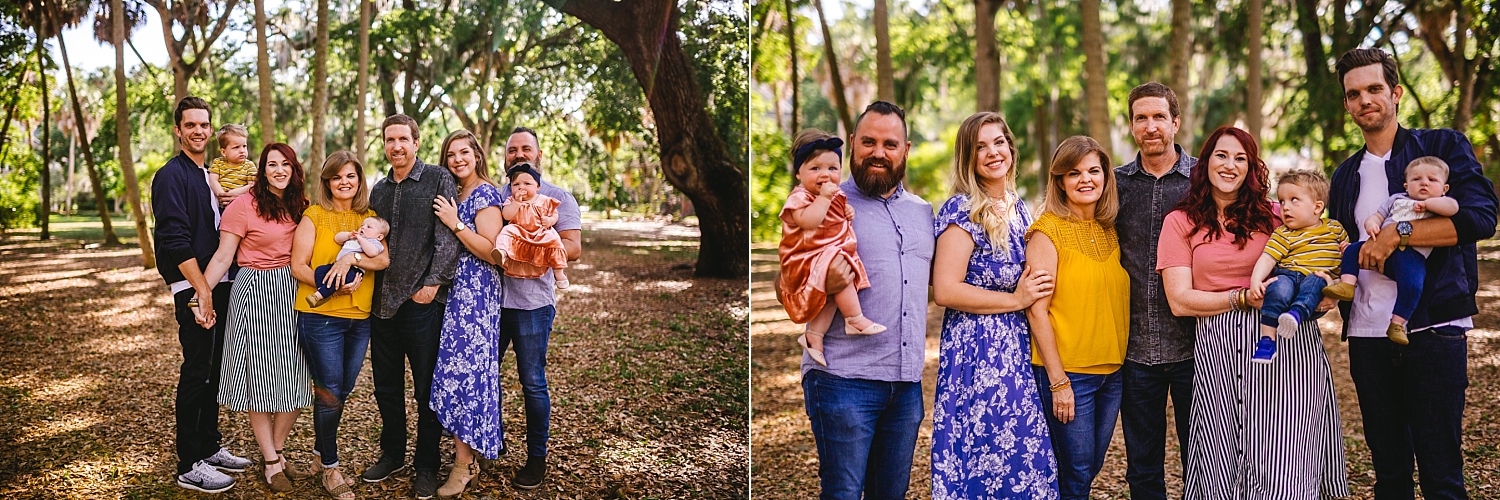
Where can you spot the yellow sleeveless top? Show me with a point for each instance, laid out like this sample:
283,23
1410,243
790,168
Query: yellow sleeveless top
1090,308
328,223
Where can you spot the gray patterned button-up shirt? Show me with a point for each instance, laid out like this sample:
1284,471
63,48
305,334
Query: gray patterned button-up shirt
1156,336
423,252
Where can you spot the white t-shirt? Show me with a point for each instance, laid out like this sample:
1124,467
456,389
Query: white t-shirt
1376,294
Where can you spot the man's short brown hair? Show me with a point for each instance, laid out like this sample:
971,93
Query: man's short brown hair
1153,89
400,119
1359,58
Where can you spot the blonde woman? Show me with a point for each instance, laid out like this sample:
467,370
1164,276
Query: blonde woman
466,380
1080,331
989,438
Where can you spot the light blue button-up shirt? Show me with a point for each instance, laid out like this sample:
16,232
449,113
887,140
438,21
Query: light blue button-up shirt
896,246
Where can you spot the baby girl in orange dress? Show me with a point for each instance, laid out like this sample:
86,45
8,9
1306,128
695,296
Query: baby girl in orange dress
529,245
816,232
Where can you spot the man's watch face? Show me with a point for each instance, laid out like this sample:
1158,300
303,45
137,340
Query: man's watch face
1404,228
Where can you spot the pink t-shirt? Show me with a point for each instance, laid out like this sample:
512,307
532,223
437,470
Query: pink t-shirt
1218,265
264,244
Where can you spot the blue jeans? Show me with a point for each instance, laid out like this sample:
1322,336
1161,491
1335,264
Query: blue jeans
409,336
1408,268
1143,415
529,331
1292,292
1412,400
866,433
1080,445
335,350
321,272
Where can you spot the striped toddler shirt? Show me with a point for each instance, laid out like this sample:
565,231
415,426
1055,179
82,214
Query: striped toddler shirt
232,177
1308,249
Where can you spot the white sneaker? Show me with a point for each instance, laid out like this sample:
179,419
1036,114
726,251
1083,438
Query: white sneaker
205,478
227,462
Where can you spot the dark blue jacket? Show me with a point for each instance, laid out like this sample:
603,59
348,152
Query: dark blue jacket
1452,272
184,209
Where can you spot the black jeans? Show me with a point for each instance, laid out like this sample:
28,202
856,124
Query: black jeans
1412,400
1143,415
409,336
198,387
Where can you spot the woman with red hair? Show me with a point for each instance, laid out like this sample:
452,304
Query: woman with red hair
1258,430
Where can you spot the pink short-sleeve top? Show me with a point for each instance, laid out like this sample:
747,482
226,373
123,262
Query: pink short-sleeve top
1218,265
264,244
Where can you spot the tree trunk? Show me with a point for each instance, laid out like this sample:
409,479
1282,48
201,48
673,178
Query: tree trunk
360,138
320,88
791,42
1322,83
263,73
986,56
693,157
44,210
88,153
122,131
1253,100
885,88
845,117
67,206
1180,48
1093,75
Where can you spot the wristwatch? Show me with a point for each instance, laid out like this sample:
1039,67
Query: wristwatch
1403,228
459,227
357,256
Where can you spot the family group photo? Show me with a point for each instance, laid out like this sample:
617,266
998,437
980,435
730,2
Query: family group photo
1137,249
374,249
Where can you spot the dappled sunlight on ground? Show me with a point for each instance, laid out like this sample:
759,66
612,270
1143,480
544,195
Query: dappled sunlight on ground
649,390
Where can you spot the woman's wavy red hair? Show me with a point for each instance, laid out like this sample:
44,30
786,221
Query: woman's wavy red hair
1251,210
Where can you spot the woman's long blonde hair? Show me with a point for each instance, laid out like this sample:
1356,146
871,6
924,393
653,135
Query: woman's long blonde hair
1069,154
993,215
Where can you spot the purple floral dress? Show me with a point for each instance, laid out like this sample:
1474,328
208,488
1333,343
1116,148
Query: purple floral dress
466,382
989,436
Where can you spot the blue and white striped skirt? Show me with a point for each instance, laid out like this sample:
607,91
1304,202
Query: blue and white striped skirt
263,368
1262,431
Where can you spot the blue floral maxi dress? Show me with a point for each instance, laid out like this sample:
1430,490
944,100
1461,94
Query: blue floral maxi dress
466,381
989,435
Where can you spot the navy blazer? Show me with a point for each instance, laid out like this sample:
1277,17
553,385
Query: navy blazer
184,209
1452,272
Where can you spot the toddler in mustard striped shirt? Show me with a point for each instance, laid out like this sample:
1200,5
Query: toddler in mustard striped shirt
1305,243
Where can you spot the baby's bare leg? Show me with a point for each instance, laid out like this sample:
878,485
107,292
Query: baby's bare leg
819,326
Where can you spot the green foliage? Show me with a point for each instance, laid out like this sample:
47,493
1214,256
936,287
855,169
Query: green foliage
18,185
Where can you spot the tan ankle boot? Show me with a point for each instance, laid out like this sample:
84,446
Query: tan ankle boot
458,478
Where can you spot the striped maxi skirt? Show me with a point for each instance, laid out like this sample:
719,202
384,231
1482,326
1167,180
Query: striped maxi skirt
263,368
1262,431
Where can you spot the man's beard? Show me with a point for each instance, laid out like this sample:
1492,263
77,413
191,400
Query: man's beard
878,184
1151,149
1381,120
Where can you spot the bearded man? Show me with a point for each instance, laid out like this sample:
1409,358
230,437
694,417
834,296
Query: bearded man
866,405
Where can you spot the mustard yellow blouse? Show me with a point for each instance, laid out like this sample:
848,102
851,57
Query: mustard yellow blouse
328,223
1090,308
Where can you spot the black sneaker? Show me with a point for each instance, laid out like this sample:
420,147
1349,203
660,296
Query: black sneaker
425,484
383,469
530,476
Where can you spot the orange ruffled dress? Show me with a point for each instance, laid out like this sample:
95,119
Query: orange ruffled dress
526,241
804,261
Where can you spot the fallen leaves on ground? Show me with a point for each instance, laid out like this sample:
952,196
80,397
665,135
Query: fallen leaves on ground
646,369
785,460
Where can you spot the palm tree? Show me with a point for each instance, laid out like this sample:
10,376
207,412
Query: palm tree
320,88
263,73
111,27
38,14
69,14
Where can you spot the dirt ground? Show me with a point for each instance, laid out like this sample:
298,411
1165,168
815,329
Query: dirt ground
647,372
785,462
